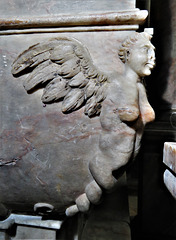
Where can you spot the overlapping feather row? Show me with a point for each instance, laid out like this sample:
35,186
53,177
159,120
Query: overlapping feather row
64,68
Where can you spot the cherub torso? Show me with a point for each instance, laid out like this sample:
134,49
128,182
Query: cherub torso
124,96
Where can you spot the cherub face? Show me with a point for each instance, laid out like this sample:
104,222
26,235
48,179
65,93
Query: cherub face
141,58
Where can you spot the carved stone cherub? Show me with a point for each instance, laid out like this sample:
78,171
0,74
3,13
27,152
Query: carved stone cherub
65,69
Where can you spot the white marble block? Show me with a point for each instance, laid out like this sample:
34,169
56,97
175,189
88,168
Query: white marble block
169,158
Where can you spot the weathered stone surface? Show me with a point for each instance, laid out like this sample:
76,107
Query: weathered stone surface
169,158
49,7
169,155
3,235
32,134
170,182
58,155
27,233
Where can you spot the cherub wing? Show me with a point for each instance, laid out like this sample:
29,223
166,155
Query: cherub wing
63,66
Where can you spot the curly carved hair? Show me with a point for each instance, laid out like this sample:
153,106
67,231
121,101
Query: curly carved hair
131,40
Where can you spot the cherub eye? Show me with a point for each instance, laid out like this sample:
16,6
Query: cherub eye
145,49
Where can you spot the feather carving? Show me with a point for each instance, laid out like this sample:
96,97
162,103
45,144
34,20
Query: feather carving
63,66
55,90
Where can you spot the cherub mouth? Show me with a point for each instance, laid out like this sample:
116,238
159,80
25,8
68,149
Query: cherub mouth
150,64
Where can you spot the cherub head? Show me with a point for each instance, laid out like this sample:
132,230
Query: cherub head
138,53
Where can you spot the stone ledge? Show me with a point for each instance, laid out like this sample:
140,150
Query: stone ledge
169,155
170,182
131,17
169,158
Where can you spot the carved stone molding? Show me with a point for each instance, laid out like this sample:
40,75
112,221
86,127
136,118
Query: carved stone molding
132,17
71,29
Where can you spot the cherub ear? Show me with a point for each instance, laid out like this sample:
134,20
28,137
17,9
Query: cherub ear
127,55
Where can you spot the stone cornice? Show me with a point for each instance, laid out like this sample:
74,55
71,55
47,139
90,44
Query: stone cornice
132,17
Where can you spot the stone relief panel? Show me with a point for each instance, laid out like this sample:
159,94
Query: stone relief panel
49,7
73,144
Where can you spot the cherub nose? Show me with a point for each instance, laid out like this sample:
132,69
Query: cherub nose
151,54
